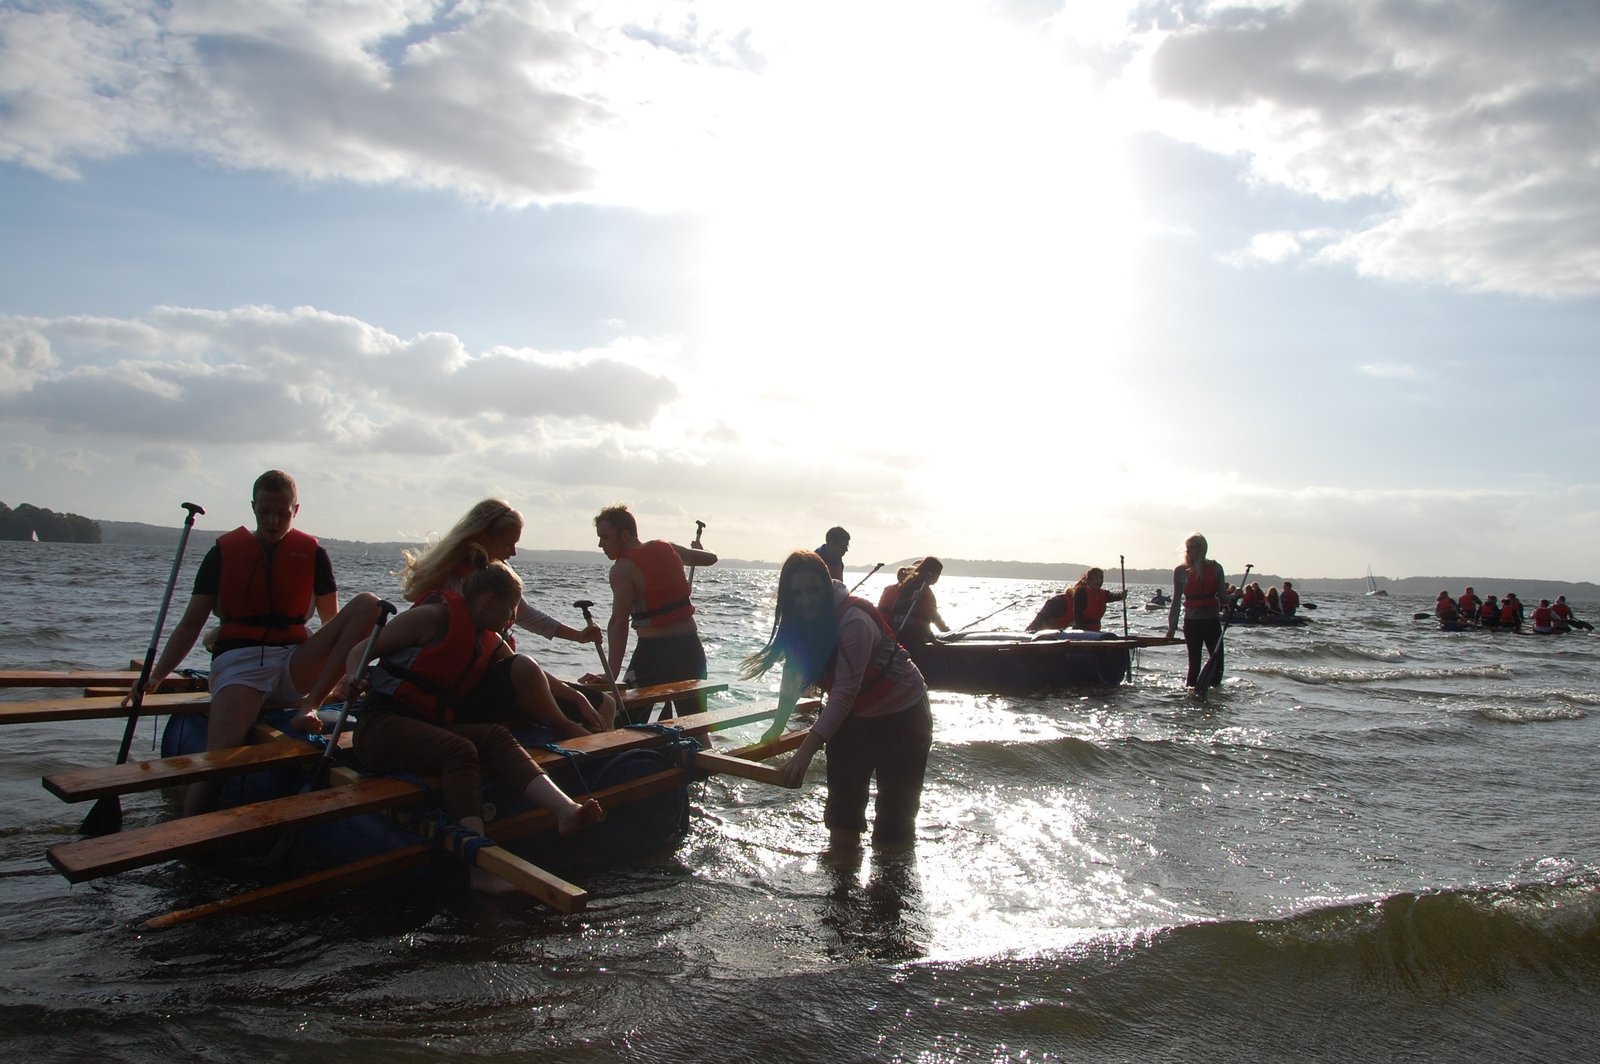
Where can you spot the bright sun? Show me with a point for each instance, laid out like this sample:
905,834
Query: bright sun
937,215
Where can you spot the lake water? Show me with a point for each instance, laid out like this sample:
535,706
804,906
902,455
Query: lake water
1376,841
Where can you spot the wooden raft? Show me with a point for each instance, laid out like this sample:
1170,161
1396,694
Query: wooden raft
91,858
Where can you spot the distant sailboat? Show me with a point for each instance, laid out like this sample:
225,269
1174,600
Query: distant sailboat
1372,585
34,535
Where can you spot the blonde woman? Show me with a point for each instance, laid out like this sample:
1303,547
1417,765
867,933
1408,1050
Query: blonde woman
494,527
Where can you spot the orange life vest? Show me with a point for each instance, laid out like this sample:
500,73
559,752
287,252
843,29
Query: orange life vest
432,679
1508,613
1094,608
1204,588
1444,607
1542,616
1290,599
1468,602
666,589
266,598
874,678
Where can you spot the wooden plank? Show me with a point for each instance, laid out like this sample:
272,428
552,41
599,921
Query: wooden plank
531,879
728,765
370,869
83,784
53,710
91,858
636,697
120,679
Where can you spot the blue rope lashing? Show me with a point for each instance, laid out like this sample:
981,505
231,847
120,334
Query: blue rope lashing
453,838
574,759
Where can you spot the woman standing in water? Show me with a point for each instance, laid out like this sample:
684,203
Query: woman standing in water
876,720
1201,587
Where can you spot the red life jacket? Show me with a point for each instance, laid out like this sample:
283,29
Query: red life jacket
1467,603
265,599
1202,589
1290,599
1562,610
874,678
666,589
1488,613
1444,607
432,679
1542,616
1094,608
1508,613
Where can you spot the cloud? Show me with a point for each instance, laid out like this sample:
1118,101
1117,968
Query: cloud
262,375
1469,127
510,102
1389,371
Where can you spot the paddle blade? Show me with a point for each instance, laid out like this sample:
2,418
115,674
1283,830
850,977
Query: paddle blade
105,817
1209,673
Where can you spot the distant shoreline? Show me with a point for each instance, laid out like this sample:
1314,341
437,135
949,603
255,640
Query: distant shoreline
1529,590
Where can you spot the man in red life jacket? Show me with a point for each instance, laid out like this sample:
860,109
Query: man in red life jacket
1468,605
1511,612
1289,601
1543,618
264,585
650,593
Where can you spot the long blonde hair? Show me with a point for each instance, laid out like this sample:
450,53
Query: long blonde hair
428,569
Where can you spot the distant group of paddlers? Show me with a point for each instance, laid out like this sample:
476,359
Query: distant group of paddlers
1547,618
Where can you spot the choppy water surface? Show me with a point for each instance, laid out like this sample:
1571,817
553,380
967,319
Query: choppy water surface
1376,841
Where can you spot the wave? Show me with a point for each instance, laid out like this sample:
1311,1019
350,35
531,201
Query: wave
1318,676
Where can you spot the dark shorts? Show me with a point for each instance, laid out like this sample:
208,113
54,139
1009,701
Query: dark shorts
666,660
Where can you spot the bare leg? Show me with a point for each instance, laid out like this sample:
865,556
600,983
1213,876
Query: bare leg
234,710
318,663
570,816
531,687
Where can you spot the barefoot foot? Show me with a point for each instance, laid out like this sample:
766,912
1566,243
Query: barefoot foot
580,816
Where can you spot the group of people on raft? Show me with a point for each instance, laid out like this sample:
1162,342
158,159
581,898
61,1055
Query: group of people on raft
1547,618
444,685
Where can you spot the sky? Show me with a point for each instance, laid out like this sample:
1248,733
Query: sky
1036,281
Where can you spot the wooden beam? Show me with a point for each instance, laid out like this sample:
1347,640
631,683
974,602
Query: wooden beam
120,679
54,710
728,765
91,858
531,879
83,784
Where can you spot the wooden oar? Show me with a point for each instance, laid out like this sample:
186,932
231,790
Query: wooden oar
985,617
699,530
357,873
585,605
106,814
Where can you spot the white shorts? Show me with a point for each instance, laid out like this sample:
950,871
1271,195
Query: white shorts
264,669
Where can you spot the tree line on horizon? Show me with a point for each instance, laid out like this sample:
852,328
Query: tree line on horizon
28,521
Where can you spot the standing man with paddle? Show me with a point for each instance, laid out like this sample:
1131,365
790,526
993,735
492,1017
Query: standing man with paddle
1201,587
650,594
264,585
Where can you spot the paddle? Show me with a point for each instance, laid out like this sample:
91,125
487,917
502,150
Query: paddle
105,816
316,777
699,529
1212,669
1122,564
605,667
985,617
864,579
1421,616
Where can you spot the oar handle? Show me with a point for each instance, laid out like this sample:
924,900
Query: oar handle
137,703
584,605
864,579
385,610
